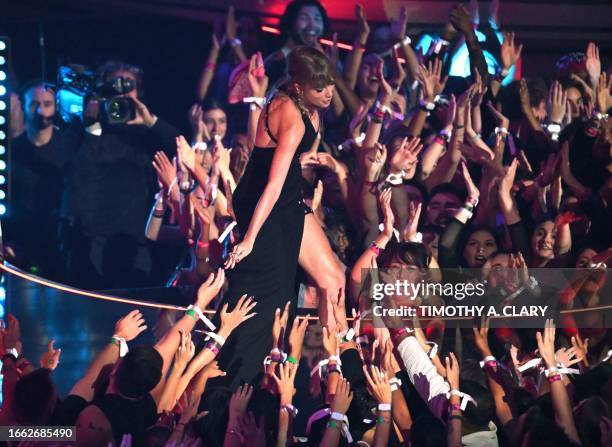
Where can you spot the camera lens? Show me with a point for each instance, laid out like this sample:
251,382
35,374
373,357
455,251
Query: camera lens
117,110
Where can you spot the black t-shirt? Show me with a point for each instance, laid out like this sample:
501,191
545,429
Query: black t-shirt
111,182
37,182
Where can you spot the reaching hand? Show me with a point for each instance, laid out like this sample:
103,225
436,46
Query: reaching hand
510,53
317,196
296,336
166,170
389,218
240,313
398,26
212,370
185,351
239,401
464,99
567,356
280,325
210,289
461,20
230,24
524,96
186,155
481,337
593,63
362,22
130,326
12,336
429,78
405,157
143,116
50,358
198,127
378,384
546,343
330,340
557,102
191,408
602,96
581,348
374,161
386,91
342,398
452,371
285,382
414,214
257,76
399,74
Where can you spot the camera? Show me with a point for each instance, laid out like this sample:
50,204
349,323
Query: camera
77,84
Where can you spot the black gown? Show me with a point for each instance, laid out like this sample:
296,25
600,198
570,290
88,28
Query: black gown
268,272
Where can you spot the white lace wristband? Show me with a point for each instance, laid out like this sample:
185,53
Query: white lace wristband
123,347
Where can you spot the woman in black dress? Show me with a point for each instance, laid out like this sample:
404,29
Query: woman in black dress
278,228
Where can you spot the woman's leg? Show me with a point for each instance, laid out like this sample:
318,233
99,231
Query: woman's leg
320,263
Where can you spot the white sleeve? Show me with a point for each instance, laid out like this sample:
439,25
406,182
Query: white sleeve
430,385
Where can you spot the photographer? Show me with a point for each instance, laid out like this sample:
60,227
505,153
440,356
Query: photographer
111,183
39,156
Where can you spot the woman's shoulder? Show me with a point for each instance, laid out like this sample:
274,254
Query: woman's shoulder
283,106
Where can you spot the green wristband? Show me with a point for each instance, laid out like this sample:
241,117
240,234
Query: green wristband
192,314
380,420
115,342
291,359
333,424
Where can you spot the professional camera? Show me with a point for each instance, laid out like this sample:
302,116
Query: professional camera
77,84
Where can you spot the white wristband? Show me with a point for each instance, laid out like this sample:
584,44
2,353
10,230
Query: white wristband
202,317
123,347
337,416
219,339
384,407
257,100
487,359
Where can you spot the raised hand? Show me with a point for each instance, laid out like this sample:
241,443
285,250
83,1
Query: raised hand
546,343
557,103
592,63
464,99
398,26
378,384
330,340
386,90
363,29
510,52
481,337
480,89
130,326
252,432
429,78
230,24
240,313
414,214
460,19
452,371
296,336
185,350
567,356
199,129
405,157
285,382
210,289
186,155
280,325
399,74
603,99
212,370
342,398
257,76
165,169
50,358
581,348
389,218
374,161
317,196
240,400
191,408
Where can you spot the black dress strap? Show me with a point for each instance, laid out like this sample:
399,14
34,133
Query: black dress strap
267,125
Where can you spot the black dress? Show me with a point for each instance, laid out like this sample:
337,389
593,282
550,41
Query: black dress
268,272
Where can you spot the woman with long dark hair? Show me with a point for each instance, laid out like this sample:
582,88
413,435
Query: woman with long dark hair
277,227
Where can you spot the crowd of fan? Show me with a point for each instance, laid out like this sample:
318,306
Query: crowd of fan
488,173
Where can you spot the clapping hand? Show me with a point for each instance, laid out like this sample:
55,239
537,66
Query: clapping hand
50,358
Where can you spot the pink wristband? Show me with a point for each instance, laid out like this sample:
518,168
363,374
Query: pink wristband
554,378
